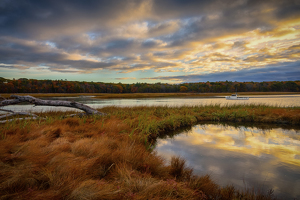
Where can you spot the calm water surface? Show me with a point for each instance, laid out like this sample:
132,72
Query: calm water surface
281,100
244,157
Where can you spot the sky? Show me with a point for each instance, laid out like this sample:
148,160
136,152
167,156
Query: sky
168,41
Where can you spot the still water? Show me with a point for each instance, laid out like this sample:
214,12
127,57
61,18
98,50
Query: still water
241,156
279,100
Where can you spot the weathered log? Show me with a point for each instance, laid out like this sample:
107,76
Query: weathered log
39,102
17,113
13,113
5,110
10,120
8,102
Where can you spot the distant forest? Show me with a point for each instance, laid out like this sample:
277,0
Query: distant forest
24,85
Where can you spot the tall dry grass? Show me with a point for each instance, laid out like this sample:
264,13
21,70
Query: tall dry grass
76,159
110,157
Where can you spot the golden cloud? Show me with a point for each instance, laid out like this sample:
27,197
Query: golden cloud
276,142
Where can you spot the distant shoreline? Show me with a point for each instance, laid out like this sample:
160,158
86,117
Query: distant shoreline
142,95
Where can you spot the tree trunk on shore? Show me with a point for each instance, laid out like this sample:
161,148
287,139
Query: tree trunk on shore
39,102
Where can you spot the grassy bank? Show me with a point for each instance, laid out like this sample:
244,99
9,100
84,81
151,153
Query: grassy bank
143,95
155,121
110,157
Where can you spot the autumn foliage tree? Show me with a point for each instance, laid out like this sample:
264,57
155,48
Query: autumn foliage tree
183,89
24,85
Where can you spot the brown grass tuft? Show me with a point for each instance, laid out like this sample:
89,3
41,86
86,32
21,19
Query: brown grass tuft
179,170
205,185
59,145
71,122
169,189
94,189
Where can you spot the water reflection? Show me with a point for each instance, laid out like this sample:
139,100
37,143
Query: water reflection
243,156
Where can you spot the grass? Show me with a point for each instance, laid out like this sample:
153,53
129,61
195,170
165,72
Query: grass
110,157
143,95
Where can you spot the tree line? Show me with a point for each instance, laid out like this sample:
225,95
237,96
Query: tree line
24,85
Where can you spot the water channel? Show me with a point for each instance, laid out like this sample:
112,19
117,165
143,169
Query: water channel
258,156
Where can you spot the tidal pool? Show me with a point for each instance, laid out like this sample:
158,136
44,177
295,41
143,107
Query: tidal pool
242,156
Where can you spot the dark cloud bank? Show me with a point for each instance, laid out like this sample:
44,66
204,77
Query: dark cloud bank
284,72
47,33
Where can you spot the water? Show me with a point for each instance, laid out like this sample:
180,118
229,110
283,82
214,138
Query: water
280,100
243,156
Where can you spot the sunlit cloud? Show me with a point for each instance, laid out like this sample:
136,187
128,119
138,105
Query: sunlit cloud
282,146
239,155
275,142
192,38
127,78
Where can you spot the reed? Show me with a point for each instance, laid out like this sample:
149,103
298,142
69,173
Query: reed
111,157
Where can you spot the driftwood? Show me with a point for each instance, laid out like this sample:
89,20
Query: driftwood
10,120
16,113
13,113
39,102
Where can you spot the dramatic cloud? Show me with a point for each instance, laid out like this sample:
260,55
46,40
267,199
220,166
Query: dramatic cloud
171,40
284,72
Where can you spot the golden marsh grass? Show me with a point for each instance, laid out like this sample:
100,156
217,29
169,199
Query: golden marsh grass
110,157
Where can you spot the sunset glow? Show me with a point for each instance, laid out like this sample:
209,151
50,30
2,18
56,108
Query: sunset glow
169,41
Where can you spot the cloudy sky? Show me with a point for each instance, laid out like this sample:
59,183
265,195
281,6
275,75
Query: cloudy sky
168,41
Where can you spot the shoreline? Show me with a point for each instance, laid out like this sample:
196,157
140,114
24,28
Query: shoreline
142,95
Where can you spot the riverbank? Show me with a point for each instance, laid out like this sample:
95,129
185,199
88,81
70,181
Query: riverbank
142,95
110,157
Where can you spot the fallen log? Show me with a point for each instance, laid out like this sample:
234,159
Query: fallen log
39,102
57,103
13,113
10,120
17,113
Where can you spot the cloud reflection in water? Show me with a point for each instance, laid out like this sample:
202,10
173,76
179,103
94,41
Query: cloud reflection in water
241,156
